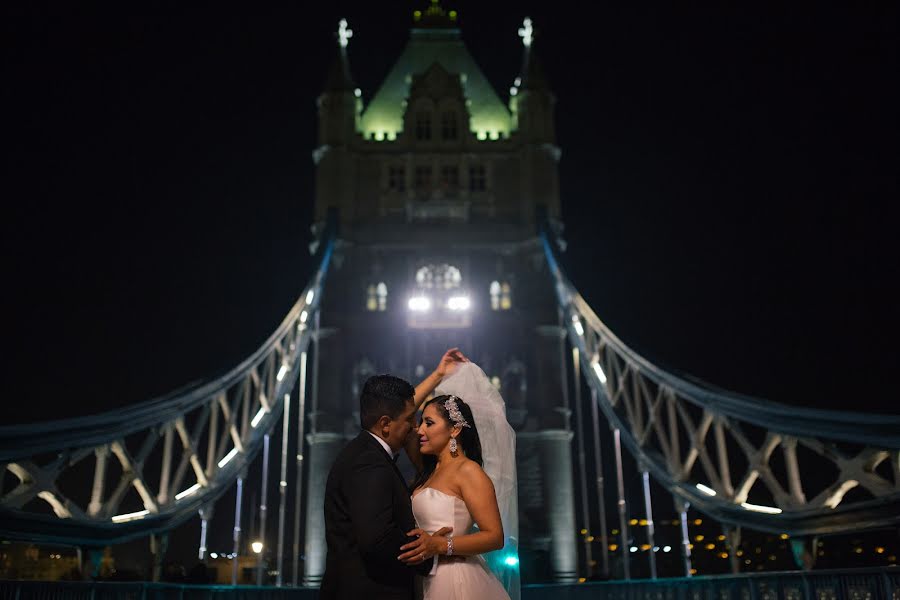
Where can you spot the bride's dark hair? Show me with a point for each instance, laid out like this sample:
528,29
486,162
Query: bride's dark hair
467,439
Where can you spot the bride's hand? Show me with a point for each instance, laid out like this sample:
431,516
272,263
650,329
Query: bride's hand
425,546
449,361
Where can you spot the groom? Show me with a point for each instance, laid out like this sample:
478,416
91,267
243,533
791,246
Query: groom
367,504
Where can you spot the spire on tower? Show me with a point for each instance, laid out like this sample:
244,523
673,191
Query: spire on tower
343,34
526,32
339,77
532,75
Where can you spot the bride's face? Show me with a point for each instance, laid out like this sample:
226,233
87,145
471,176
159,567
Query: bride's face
434,432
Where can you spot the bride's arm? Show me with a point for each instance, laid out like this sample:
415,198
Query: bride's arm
446,366
478,494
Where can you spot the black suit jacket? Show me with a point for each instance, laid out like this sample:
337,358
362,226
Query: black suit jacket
367,514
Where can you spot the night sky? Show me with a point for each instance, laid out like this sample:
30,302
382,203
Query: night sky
729,185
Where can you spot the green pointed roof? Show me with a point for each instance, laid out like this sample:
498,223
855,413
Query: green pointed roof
384,114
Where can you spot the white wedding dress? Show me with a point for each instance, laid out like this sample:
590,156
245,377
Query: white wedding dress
494,576
456,577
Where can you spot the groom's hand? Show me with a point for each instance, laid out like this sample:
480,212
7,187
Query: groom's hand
424,547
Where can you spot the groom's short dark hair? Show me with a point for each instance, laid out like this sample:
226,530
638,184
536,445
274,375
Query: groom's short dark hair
383,395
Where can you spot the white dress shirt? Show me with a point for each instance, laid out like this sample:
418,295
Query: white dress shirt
384,445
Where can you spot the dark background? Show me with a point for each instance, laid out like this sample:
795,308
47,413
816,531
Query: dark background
729,184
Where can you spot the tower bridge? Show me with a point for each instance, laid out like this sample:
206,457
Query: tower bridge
438,212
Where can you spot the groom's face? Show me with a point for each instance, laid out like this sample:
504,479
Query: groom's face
397,431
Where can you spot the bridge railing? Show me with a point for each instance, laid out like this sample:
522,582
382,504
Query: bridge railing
742,460
849,584
154,465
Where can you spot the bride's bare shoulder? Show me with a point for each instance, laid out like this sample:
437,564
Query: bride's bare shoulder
471,472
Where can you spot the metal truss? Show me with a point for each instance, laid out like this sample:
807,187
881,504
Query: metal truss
154,465
742,460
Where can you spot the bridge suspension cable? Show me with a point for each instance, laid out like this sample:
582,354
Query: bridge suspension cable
156,464
741,460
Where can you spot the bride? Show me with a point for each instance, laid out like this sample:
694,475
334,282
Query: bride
466,480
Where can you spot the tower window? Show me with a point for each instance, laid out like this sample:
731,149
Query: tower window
423,126
397,179
450,177
423,177
439,277
449,130
477,178
500,296
376,297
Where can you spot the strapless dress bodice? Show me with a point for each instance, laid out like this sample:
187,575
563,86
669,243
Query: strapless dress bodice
434,509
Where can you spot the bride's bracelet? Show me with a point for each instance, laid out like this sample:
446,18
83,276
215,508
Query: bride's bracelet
449,545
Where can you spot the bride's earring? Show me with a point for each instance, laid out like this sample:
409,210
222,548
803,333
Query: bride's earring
454,448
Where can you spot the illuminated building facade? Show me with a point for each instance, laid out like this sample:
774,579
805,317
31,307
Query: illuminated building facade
438,183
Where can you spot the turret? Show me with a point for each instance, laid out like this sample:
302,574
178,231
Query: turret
531,101
339,103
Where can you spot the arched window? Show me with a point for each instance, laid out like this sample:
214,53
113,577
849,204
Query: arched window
477,178
439,277
381,293
500,296
423,126
376,297
449,129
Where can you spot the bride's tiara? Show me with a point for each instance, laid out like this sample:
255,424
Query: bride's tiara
453,411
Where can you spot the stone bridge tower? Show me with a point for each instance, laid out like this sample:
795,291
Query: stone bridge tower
437,183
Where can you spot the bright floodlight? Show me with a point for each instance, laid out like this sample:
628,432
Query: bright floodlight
459,303
419,304
257,547
706,489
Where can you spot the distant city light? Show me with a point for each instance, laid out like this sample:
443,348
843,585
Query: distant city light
667,548
419,304
459,303
213,555
633,549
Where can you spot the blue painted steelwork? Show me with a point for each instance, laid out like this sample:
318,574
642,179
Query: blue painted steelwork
189,419
695,438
